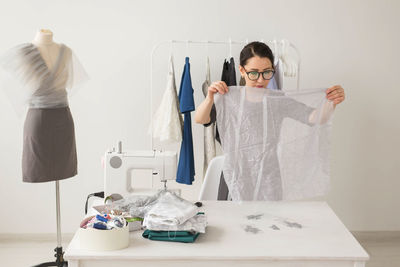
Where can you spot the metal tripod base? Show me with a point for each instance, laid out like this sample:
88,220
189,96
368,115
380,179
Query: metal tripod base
60,262
59,259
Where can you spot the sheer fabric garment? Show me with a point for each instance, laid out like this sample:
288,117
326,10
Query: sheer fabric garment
29,82
276,144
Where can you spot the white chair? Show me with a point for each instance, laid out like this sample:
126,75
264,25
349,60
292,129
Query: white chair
209,188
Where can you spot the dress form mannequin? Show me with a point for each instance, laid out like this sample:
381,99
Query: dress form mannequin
49,51
47,47
42,75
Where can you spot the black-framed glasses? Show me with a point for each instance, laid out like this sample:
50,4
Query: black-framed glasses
254,75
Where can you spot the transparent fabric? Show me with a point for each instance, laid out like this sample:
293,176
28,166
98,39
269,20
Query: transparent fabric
276,143
135,205
28,81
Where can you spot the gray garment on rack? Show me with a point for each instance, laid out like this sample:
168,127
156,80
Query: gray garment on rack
209,132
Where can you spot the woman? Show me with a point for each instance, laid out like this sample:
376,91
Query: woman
257,69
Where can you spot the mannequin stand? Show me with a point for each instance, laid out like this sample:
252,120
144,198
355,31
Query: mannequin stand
60,262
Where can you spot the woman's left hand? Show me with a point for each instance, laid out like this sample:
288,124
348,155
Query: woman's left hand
335,94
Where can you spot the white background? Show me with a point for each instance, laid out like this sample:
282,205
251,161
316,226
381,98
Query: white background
352,43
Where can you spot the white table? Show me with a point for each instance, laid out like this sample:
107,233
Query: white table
242,234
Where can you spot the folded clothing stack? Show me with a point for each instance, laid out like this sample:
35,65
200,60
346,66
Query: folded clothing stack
174,219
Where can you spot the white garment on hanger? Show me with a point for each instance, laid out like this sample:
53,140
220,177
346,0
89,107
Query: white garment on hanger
167,122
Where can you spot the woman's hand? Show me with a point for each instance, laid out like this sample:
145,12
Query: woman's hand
335,94
217,87
203,111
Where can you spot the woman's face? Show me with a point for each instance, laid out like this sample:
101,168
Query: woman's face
258,64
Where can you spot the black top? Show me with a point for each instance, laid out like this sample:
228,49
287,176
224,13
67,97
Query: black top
229,77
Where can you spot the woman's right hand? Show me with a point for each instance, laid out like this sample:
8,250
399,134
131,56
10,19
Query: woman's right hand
217,87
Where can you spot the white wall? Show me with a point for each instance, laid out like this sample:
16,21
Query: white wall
352,43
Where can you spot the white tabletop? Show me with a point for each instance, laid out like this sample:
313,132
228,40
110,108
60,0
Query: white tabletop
284,230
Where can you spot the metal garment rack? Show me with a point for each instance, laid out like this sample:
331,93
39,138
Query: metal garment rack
230,42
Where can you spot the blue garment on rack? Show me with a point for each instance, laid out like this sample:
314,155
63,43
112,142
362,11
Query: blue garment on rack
272,84
185,173
276,81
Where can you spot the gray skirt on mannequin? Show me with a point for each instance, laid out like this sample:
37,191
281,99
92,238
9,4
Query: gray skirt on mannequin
49,149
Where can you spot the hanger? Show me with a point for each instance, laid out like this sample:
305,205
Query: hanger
171,52
275,50
290,64
172,47
230,47
187,48
286,66
207,62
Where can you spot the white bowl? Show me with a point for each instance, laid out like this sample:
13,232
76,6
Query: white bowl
95,239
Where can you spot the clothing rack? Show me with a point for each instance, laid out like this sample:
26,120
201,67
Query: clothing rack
271,43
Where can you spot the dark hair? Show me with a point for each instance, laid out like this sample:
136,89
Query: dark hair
255,49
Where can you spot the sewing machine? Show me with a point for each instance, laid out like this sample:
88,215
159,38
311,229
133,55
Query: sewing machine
119,166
